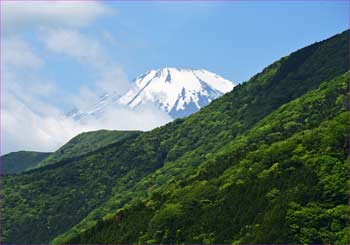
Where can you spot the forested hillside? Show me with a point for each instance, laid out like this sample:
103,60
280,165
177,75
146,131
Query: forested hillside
266,163
285,181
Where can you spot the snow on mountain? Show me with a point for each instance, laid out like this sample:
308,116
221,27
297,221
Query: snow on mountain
178,92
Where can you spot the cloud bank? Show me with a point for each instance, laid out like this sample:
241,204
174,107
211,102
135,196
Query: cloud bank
29,119
24,128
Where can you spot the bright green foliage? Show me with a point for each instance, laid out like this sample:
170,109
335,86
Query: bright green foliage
20,161
242,170
37,200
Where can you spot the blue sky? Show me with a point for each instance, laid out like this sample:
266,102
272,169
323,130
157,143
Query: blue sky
57,55
234,39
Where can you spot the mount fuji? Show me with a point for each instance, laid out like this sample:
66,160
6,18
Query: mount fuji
178,92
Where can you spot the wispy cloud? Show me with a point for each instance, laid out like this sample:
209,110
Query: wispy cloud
17,53
87,51
76,45
19,15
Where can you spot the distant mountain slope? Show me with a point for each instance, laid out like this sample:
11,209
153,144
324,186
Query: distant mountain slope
84,143
16,162
188,168
178,92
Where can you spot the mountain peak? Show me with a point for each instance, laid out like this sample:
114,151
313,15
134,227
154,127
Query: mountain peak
179,92
176,91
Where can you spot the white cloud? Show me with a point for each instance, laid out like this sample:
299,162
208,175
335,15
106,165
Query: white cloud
17,53
31,122
19,68
121,117
109,37
18,15
25,129
90,52
76,45
145,118
85,99
30,119
113,79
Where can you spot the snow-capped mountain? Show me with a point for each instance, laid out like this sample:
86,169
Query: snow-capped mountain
179,92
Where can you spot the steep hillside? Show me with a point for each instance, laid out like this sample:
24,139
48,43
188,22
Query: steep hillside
16,162
41,204
284,181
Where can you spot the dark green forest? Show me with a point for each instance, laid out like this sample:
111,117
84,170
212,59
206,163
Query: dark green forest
16,162
85,143
265,163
